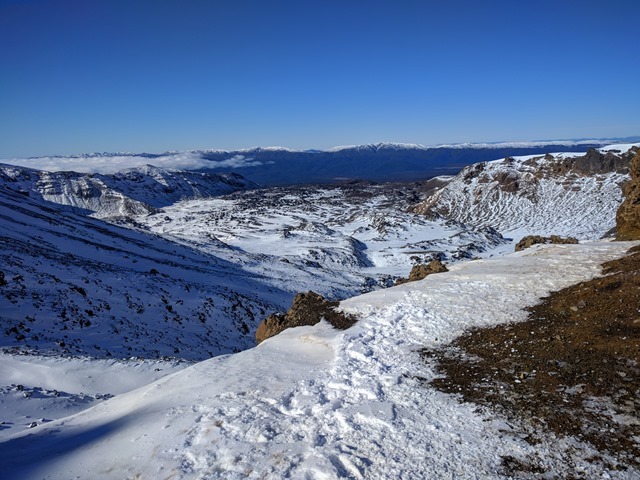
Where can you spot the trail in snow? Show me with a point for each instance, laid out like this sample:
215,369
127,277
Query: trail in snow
316,403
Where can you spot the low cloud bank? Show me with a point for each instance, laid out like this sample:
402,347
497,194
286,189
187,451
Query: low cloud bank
111,164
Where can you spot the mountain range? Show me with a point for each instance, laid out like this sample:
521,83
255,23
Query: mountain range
271,166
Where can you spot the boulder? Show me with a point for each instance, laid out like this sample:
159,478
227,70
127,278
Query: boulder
418,272
531,240
628,214
307,309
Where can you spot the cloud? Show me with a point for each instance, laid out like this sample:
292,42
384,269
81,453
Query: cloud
114,163
237,161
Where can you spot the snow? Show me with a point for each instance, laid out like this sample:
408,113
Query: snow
318,403
582,206
40,389
329,240
313,402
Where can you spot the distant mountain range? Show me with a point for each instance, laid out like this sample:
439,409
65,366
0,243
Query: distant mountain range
271,166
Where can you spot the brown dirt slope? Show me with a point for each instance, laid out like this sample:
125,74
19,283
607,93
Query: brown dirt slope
572,368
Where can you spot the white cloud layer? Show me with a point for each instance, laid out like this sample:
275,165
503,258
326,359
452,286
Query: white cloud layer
112,164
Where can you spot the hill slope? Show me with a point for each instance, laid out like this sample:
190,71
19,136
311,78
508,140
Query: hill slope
77,285
132,191
317,403
564,194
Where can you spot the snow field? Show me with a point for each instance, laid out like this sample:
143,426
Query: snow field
315,403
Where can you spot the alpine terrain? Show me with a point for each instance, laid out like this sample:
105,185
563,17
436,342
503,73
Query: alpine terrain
130,301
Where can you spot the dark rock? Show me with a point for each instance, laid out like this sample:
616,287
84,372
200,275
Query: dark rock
597,162
418,272
628,214
531,240
307,309
508,181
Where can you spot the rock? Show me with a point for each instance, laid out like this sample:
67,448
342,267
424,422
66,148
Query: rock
307,309
628,214
418,272
531,240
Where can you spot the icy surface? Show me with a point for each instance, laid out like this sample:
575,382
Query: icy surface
317,403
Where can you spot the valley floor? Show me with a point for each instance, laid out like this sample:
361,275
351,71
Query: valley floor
316,403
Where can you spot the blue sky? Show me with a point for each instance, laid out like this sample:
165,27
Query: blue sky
154,75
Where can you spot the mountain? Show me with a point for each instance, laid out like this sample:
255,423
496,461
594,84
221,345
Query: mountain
95,311
564,194
278,166
132,191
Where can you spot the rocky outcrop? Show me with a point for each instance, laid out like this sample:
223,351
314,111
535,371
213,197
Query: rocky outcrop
418,272
531,240
560,194
628,215
307,309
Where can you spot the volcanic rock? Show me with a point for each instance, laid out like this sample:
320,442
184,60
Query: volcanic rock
628,215
307,309
418,272
531,240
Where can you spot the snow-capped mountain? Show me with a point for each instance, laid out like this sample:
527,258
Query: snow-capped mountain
128,192
564,194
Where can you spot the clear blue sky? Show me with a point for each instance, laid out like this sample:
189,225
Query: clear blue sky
154,75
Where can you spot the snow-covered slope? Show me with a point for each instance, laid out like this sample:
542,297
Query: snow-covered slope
316,403
36,390
564,194
350,237
128,192
77,285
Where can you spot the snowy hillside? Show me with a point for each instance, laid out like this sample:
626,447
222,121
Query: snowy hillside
128,192
564,194
198,276
316,403
77,285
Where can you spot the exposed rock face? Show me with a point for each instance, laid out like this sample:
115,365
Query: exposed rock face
628,215
530,240
307,309
418,272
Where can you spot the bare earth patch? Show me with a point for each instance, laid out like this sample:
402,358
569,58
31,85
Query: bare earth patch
572,368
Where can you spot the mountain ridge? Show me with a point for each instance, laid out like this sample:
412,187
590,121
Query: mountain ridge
280,166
